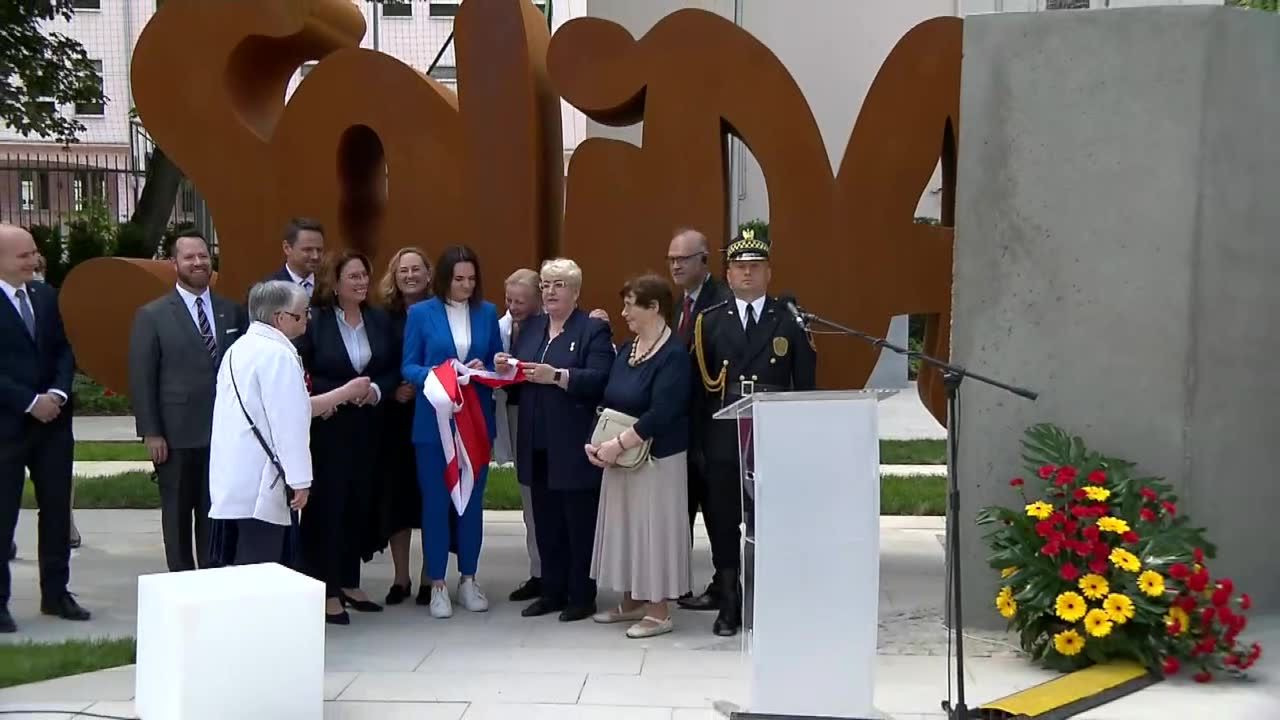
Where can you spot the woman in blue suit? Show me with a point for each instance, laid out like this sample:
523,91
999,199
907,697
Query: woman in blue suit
456,323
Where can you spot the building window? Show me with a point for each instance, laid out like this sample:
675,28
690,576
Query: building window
34,190
93,108
307,68
187,197
86,4
444,72
1066,4
443,9
42,107
88,185
399,8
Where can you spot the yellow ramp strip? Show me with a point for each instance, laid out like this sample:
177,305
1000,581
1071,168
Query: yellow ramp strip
1090,687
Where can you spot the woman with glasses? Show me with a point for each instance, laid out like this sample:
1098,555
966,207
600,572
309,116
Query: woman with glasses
456,324
346,338
565,356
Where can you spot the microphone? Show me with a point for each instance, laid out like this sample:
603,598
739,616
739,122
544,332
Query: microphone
788,300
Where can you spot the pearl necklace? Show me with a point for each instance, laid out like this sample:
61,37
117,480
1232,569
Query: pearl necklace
633,361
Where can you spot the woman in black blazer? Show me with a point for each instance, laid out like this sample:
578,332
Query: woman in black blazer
565,357
346,338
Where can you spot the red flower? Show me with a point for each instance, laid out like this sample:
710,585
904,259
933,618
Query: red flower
1221,597
1226,584
1239,623
1046,471
1186,602
1147,515
1171,665
1169,507
1246,602
1057,518
1092,533
1070,572
1080,511
1017,482
1098,566
1101,510
1066,475
108,392
1149,494
1198,582
1070,526
1226,617
1051,548
1198,555
1202,677
1179,571
1044,528
1079,494
1101,551
1082,548
1098,477
1130,537
1255,652
1207,616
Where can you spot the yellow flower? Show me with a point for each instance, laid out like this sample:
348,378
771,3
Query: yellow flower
1070,606
1005,603
1039,510
1119,609
1151,583
1097,623
1097,494
1068,642
1094,587
1007,572
1113,525
1179,616
1125,560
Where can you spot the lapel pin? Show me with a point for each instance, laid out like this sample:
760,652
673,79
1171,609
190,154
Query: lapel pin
572,345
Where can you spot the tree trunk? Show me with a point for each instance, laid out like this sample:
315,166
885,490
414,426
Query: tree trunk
159,193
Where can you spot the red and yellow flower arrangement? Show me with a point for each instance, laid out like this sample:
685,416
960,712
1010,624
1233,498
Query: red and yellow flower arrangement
1098,564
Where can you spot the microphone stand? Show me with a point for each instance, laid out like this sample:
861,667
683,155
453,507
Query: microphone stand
952,377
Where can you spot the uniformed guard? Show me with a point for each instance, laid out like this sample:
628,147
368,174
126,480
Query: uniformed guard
751,343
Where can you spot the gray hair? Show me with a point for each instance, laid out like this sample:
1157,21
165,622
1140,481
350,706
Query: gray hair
274,296
563,269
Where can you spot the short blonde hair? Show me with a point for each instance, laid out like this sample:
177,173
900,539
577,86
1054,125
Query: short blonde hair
524,276
562,269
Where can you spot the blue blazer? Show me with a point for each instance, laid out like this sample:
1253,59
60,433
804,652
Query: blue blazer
428,341
31,366
585,349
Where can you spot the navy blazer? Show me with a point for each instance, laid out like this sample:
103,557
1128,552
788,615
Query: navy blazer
428,341
585,349
325,357
281,274
32,366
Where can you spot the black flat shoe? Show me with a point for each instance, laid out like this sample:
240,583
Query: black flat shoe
541,607
65,607
399,593
358,605
341,618
575,614
7,625
424,595
531,589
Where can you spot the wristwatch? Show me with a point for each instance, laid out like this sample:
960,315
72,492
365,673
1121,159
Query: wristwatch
555,377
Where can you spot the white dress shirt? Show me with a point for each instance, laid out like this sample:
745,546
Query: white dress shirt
269,375
356,340
189,298
460,325
11,292
758,304
308,283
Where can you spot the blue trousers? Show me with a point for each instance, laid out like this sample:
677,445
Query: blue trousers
437,506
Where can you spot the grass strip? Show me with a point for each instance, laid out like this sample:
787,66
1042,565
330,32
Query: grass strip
22,663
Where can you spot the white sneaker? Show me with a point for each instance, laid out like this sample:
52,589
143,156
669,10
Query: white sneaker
441,606
471,597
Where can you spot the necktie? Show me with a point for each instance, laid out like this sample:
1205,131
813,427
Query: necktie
306,285
686,316
751,318
206,332
24,309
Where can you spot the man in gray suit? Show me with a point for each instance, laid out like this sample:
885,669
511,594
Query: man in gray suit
177,343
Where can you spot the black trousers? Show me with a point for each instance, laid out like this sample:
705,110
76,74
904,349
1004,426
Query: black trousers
47,451
722,513
184,506
259,542
565,524
697,488
334,524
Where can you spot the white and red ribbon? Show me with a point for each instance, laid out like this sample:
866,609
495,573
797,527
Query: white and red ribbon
463,432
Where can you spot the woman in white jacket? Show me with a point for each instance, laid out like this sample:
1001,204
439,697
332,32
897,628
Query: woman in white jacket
261,385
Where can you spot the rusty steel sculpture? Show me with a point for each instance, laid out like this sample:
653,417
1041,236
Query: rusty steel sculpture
386,157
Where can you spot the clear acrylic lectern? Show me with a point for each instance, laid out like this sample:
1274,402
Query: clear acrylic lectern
810,466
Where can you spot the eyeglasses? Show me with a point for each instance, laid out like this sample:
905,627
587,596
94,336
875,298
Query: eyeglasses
296,316
684,259
557,284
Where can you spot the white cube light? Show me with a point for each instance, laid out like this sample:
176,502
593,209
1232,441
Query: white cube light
241,642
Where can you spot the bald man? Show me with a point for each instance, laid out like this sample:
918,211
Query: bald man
36,367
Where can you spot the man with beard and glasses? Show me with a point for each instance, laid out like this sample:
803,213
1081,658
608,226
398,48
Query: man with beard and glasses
177,343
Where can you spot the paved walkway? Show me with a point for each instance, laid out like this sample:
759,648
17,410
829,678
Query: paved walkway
402,664
99,468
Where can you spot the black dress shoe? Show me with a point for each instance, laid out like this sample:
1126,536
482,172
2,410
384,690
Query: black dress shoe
729,620
341,618
540,607
64,607
399,593
358,605
708,600
7,625
75,543
530,589
574,614
424,594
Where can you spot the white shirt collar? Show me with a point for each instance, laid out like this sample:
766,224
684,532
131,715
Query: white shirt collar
298,278
758,304
342,317
12,291
190,298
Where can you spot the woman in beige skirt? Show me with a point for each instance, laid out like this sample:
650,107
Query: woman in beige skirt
642,529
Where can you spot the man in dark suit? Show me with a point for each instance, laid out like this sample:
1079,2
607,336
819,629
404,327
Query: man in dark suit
688,257
36,367
303,248
748,344
176,345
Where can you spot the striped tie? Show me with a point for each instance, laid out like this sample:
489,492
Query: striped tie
206,332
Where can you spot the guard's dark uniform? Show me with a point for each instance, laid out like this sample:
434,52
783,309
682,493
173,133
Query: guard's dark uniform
776,355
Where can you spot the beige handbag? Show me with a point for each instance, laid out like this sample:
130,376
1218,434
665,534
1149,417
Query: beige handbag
609,425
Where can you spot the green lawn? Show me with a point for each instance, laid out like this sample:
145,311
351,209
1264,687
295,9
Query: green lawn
135,490
29,662
892,452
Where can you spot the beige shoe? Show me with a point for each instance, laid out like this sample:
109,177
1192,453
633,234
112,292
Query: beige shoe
650,627
617,615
